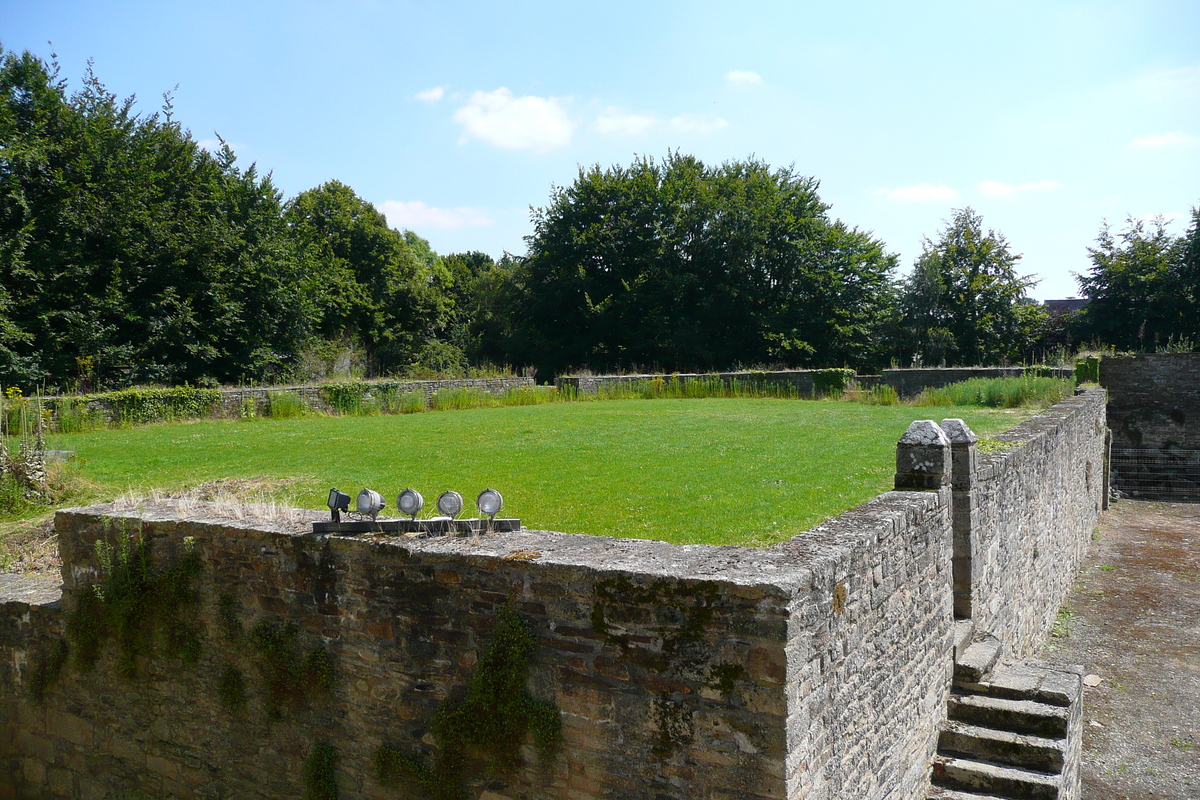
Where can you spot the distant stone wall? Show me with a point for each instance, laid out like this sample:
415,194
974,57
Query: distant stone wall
906,382
236,402
800,379
1153,400
233,400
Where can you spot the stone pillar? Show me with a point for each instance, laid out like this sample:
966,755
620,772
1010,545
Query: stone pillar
923,457
963,456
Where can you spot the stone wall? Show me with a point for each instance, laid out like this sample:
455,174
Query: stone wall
906,382
1032,505
817,668
1153,400
232,400
799,379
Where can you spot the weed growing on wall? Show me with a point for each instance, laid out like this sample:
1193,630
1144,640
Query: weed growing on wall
47,670
490,723
231,689
136,603
320,772
289,679
285,405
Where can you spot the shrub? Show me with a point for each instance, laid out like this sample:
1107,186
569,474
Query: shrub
1087,370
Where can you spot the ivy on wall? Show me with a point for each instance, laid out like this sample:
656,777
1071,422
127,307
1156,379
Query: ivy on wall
488,725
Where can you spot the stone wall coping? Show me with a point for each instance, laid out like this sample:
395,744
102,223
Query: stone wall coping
1044,424
803,562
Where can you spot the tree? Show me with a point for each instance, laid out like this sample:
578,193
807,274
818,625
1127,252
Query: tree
1144,285
964,302
684,266
124,244
370,281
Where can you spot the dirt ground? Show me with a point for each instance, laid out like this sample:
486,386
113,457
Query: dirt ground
1133,620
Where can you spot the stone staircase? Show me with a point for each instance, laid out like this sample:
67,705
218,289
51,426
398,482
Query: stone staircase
1012,732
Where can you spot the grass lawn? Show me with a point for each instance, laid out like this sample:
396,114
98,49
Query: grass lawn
718,471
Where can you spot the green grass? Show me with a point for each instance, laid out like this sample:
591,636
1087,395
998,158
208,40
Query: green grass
999,392
687,471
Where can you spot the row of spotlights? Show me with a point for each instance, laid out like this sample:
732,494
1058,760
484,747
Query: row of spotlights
411,502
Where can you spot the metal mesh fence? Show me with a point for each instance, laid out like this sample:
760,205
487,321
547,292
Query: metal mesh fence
1157,474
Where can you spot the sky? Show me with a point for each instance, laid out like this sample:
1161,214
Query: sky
455,118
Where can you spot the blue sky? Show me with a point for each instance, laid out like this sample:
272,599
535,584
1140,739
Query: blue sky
455,117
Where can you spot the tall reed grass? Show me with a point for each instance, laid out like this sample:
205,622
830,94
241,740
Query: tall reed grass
1026,390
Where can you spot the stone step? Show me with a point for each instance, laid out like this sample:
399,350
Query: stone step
964,630
965,775
1017,716
1056,687
976,661
1006,748
938,793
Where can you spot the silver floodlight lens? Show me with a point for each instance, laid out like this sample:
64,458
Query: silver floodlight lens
450,504
369,502
490,502
410,502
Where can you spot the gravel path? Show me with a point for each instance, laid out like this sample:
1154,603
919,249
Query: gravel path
1133,620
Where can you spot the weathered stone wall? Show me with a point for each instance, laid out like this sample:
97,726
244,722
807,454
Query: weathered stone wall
235,402
689,672
1153,400
799,379
1034,504
869,650
232,400
906,382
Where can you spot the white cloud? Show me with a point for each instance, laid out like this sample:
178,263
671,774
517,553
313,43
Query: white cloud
743,77
1006,191
692,123
1161,140
613,122
920,193
415,215
431,95
515,123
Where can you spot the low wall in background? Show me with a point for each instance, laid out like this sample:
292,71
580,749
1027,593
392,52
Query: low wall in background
906,382
799,379
817,668
233,400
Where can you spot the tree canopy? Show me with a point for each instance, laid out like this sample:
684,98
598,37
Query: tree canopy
1144,285
964,302
685,266
128,253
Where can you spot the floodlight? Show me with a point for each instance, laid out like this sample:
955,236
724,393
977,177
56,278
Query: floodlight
410,502
489,502
369,502
450,504
338,502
